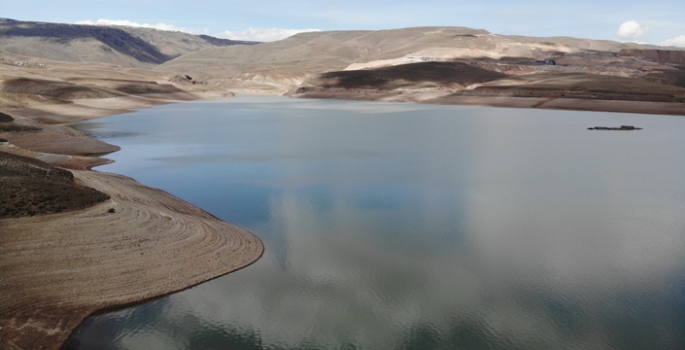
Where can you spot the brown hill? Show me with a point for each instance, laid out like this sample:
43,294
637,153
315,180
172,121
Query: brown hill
106,44
279,66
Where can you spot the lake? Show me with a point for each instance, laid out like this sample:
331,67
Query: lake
409,226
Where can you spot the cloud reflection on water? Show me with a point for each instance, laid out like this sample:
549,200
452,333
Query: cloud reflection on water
505,229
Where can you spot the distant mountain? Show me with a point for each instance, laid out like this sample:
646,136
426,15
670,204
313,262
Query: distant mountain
225,42
302,60
131,46
279,66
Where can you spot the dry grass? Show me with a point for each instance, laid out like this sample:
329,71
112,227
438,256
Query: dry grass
31,187
407,75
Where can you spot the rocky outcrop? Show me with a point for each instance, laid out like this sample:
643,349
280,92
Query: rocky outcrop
187,79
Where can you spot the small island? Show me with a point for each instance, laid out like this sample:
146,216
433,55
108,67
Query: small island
622,127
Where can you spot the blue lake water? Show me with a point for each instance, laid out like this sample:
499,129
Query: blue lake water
408,226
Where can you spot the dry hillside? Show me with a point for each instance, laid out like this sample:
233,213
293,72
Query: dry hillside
128,46
279,66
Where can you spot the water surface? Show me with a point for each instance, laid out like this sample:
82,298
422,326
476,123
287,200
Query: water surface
406,226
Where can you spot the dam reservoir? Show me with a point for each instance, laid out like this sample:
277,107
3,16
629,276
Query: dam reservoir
410,226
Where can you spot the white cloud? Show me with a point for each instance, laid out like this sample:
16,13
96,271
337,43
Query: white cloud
677,41
159,26
631,30
263,34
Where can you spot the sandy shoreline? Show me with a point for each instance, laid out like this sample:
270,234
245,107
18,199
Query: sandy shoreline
444,97
569,104
142,243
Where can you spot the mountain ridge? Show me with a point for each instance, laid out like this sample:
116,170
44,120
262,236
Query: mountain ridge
131,46
314,63
279,66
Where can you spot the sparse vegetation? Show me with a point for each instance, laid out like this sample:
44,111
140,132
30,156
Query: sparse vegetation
407,74
31,187
147,88
7,125
5,118
56,89
12,127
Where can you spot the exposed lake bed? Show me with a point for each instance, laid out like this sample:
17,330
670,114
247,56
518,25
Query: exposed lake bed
414,226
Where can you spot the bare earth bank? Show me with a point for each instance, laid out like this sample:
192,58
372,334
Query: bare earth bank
463,83
141,243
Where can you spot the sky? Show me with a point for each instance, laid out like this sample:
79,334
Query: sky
658,22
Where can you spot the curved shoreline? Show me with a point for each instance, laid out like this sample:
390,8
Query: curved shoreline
55,270
139,245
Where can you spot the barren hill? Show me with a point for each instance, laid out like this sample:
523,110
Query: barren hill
408,64
119,45
282,65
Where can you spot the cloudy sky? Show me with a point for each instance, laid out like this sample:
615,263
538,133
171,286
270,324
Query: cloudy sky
653,22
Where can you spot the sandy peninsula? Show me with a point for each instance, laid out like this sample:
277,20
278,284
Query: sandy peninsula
56,268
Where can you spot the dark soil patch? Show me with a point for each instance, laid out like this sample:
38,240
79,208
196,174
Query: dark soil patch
669,56
31,187
6,124
5,118
668,77
433,72
147,88
583,86
11,127
61,90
